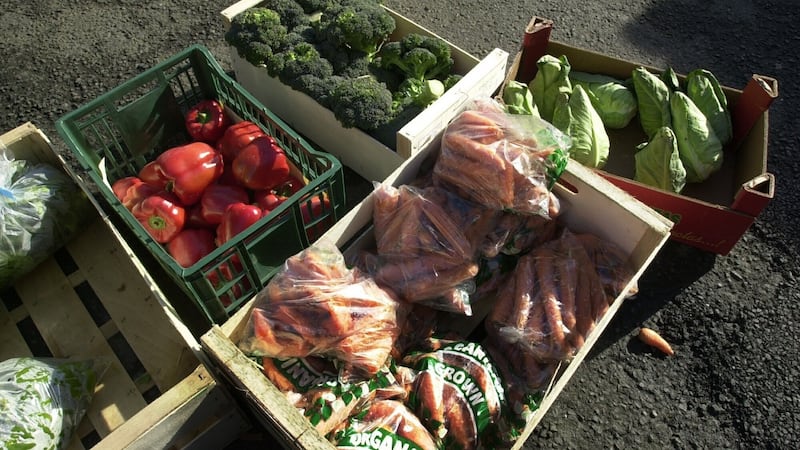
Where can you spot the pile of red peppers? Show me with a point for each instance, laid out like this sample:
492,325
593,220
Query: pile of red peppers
195,197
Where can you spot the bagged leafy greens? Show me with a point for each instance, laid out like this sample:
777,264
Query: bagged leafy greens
613,99
41,209
658,162
699,147
706,92
653,96
49,396
551,80
576,117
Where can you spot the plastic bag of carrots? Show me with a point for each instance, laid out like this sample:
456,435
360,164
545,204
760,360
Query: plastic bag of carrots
317,306
501,161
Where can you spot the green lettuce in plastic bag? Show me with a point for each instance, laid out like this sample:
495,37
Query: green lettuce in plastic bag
41,209
653,97
576,117
44,399
658,162
706,92
551,80
699,147
612,98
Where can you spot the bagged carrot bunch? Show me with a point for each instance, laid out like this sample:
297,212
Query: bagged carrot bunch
316,306
500,160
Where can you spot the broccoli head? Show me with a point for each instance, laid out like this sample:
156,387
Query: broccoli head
303,59
417,56
362,102
291,12
257,34
413,91
361,25
312,6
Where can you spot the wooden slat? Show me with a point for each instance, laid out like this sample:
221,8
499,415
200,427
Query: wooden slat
132,306
12,344
195,407
69,331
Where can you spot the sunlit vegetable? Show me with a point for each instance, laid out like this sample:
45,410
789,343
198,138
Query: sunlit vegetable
575,116
551,80
698,145
653,96
611,97
706,92
658,162
518,99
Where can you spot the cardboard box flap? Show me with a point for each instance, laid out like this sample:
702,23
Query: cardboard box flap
757,96
534,45
754,195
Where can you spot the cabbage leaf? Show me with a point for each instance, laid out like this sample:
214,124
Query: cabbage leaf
706,92
551,80
698,145
658,162
575,116
612,98
653,97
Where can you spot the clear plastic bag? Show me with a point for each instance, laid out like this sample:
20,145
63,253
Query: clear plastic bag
500,160
423,251
316,306
41,209
44,399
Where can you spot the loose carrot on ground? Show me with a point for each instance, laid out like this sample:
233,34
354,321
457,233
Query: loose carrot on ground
653,339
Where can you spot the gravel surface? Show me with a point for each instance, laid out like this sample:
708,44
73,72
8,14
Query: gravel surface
731,320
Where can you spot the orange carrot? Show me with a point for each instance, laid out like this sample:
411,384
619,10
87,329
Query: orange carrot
655,340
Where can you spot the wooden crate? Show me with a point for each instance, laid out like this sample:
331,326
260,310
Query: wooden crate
356,149
590,204
92,299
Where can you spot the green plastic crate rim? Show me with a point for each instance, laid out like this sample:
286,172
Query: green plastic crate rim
121,130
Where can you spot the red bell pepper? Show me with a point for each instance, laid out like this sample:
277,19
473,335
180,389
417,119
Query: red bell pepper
162,215
191,245
189,169
236,137
217,197
313,211
194,218
138,192
206,121
121,186
268,200
237,218
261,165
151,175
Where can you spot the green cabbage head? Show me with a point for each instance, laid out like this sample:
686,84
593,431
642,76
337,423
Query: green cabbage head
612,99
706,92
551,80
653,98
575,116
698,145
658,162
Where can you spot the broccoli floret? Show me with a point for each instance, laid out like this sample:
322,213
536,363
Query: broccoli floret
291,12
363,103
451,80
320,89
413,91
312,6
417,56
303,59
361,25
257,34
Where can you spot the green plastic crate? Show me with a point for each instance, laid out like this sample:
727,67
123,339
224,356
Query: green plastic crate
120,131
